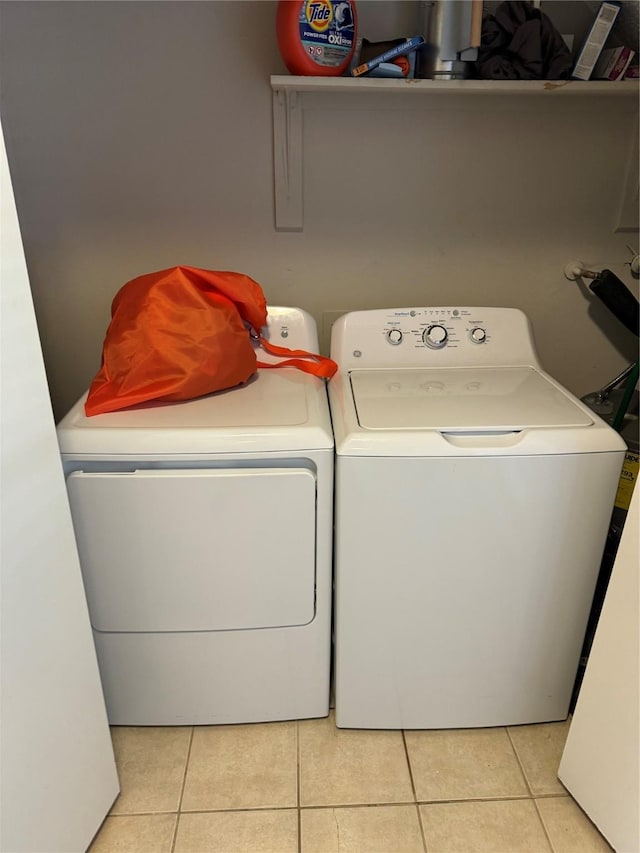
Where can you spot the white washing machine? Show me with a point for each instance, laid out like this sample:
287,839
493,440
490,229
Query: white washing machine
205,535
473,497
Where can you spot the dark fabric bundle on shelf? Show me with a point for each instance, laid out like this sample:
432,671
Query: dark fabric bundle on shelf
519,42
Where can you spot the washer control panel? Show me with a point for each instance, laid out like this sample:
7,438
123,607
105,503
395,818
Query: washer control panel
436,328
433,337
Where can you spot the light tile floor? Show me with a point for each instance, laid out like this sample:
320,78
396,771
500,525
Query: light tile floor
308,787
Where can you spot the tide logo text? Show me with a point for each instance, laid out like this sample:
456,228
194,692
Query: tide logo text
319,14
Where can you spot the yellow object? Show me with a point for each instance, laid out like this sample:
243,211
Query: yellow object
627,481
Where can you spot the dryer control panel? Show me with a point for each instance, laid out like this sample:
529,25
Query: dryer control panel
433,337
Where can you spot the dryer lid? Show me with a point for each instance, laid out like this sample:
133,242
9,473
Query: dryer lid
463,400
276,410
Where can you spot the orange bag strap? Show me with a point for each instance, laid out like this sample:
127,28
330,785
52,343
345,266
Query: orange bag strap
320,365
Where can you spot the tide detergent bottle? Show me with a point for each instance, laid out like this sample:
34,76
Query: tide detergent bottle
317,37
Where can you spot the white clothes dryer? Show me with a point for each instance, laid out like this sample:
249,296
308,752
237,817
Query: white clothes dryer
205,536
473,497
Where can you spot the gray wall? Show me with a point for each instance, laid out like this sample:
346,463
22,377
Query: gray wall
139,136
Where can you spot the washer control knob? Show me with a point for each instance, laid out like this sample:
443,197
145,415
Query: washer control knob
394,336
435,336
478,335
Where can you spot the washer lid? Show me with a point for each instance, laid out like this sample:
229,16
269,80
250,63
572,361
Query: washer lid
462,400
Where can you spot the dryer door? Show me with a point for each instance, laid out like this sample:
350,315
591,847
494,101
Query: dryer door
196,550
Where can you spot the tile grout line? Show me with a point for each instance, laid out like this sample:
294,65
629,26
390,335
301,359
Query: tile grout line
406,755
298,786
523,797
520,764
413,788
320,806
530,789
182,787
544,826
237,811
323,806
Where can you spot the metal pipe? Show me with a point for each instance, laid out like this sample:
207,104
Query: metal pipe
604,391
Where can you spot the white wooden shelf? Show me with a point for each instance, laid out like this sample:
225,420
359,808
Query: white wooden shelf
353,85
290,93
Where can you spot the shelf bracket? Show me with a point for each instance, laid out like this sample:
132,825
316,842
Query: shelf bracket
287,159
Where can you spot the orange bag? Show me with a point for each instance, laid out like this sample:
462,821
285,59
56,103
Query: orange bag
181,333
